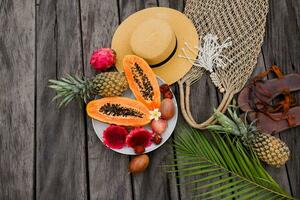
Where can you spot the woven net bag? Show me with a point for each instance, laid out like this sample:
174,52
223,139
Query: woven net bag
240,21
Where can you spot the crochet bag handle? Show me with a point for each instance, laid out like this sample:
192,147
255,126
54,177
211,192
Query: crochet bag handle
185,106
232,34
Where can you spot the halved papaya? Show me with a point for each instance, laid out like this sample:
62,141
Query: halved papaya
142,81
119,110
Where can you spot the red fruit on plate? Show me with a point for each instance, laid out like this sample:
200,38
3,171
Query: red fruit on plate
168,95
114,137
139,150
164,88
103,58
159,126
139,137
157,139
166,91
167,109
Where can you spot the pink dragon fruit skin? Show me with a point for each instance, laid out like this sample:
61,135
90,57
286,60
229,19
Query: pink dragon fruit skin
103,58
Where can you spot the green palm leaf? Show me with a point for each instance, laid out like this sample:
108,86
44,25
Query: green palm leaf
222,168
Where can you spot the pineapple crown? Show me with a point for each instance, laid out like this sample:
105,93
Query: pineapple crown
70,88
233,124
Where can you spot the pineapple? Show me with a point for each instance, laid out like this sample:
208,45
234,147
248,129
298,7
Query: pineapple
105,84
268,148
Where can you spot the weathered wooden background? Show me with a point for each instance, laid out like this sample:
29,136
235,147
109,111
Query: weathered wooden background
46,153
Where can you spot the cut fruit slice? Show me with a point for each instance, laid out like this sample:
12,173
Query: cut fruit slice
119,110
139,137
142,81
114,137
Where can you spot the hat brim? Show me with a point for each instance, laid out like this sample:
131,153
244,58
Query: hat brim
183,28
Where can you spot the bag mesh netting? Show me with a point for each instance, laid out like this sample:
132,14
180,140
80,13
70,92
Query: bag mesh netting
243,21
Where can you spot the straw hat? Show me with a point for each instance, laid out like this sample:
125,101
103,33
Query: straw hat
157,35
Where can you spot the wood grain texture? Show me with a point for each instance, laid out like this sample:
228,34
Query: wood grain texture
155,183
108,175
65,159
17,69
282,47
142,4
204,97
279,174
175,4
126,8
163,3
61,161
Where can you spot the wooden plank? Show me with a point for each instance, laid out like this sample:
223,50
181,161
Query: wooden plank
279,174
142,4
17,80
175,4
282,47
154,183
61,161
203,92
163,3
108,175
127,8
203,99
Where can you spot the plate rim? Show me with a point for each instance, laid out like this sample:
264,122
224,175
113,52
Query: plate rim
157,146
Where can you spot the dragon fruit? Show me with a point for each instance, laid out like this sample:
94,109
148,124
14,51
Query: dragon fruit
103,58
139,137
114,137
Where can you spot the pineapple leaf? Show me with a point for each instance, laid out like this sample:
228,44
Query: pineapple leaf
70,88
221,168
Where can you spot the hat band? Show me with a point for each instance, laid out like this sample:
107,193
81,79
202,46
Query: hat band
168,58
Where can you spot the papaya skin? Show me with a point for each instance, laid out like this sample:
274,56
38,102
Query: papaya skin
93,111
136,84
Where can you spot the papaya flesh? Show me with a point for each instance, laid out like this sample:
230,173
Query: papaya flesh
142,81
119,110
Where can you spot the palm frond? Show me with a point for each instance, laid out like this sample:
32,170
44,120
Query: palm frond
222,168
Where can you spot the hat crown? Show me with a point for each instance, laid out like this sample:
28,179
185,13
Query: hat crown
154,40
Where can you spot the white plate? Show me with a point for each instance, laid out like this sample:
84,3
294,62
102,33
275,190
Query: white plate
99,127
